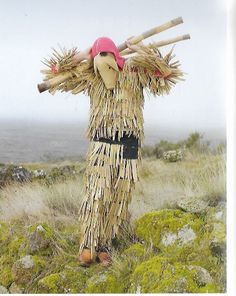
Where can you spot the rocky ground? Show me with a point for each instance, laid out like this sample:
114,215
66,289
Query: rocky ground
177,248
180,250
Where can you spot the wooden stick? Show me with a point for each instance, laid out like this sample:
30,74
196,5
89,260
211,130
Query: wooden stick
54,81
64,76
160,43
152,32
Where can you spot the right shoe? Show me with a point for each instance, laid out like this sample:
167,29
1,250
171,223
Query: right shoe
104,258
85,258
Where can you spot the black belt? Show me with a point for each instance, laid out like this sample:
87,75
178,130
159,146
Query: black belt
130,143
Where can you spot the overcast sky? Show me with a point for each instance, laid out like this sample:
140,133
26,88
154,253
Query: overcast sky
30,28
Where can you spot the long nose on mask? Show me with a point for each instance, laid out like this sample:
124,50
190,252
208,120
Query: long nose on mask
107,67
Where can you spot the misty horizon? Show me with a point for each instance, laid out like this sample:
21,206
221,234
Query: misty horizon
34,140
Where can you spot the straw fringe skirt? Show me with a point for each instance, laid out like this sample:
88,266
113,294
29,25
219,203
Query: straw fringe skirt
110,180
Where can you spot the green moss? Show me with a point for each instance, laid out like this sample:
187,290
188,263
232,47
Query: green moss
197,251
39,263
153,225
57,262
158,275
215,214
40,237
135,267
125,262
136,251
210,288
144,275
49,284
24,270
135,254
6,277
218,232
104,283
48,233
18,246
69,237
74,280
163,229
12,246
70,280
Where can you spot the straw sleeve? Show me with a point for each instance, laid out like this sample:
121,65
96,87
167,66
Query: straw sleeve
63,75
157,74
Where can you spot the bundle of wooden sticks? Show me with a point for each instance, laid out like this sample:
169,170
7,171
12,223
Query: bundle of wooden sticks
61,67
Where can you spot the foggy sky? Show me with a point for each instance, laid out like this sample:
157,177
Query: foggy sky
30,28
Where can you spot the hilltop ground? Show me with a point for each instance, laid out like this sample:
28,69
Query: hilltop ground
174,243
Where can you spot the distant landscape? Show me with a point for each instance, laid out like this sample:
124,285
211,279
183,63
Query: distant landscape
32,141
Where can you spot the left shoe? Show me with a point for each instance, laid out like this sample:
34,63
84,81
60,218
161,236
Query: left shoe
85,258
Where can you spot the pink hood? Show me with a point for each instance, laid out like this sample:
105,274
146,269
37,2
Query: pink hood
105,44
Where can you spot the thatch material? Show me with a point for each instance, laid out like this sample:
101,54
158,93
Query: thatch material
120,109
110,180
85,72
62,60
148,63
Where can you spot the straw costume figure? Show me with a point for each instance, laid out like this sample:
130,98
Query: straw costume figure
115,86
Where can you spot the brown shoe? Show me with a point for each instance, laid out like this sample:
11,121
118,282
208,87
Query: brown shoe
85,258
104,258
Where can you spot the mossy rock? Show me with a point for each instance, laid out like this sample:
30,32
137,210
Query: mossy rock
104,282
166,230
12,173
216,214
70,280
201,275
166,227
135,251
74,280
193,204
211,288
50,284
48,231
39,239
26,268
159,275
218,240
136,254
198,253
12,245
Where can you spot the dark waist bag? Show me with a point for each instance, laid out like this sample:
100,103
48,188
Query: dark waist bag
130,143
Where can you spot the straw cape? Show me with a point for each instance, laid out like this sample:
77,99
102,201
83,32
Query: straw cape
115,114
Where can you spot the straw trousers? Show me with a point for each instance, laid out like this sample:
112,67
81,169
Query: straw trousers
110,178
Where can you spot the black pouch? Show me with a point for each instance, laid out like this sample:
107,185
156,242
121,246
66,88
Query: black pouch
130,149
129,142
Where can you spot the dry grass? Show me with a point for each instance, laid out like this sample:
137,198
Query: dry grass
160,184
34,201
